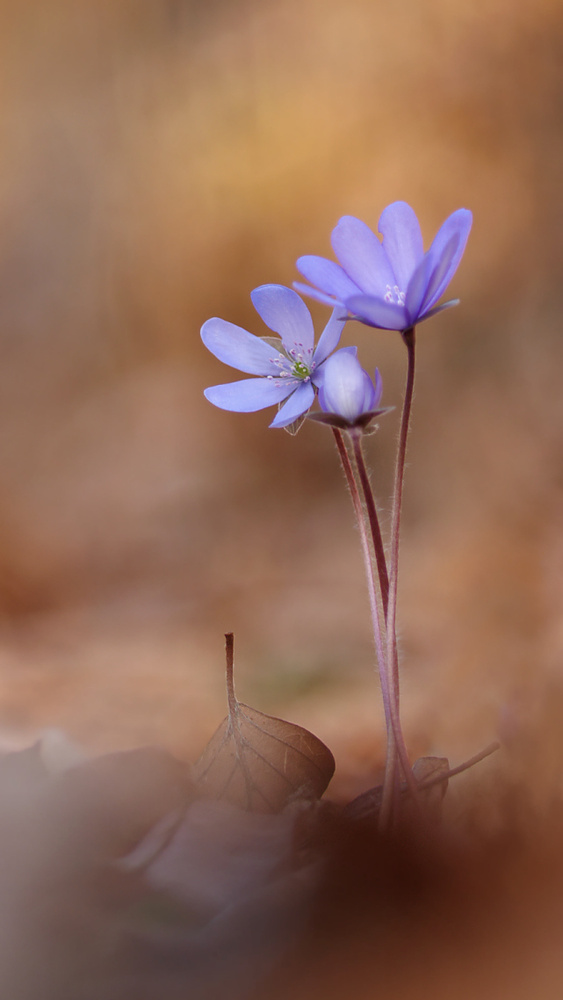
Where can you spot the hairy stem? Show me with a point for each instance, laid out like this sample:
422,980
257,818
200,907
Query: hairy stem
392,653
371,508
390,765
391,793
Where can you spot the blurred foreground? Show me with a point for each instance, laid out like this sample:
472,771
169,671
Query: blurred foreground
123,880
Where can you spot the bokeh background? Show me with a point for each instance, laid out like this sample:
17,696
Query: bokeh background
158,160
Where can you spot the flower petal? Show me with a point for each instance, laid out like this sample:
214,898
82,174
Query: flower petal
330,336
378,386
447,250
377,312
250,394
297,404
313,293
439,264
402,240
285,313
238,348
417,286
318,377
362,256
328,276
427,277
369,401
347,389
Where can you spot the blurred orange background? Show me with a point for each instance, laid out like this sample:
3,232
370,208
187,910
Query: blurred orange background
161,158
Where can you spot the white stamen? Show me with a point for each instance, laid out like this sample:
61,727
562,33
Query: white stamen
394,295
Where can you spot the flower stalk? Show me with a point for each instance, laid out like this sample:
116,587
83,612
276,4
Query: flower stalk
369,500
391,781
392,658
369,570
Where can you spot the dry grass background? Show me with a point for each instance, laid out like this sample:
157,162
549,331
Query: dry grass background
158,160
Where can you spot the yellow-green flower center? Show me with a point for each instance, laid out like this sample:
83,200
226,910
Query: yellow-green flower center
300,370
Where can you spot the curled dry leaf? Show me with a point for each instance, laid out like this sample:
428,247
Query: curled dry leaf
259,762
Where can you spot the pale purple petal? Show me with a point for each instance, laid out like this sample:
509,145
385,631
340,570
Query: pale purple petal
362,256
369,401
446,252
285,313
298,404
377,312
318,378
347,389
250,394
417,287
428,277
238,348
313,293
378,386
330,336
328,277
402,240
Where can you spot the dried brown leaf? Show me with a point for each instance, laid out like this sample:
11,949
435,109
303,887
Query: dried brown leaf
259,762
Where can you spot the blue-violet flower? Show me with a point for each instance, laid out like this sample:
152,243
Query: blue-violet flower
391,284
347,395
290,372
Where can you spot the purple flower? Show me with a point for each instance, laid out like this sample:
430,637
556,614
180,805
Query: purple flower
347,394
289,372
391,284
